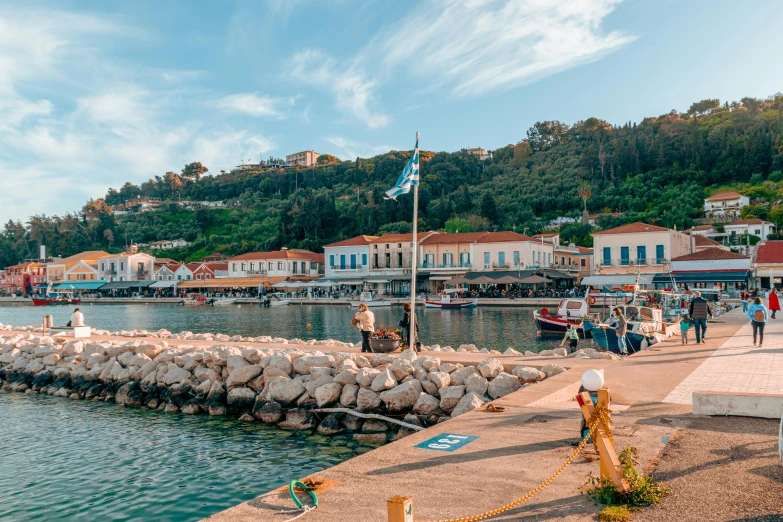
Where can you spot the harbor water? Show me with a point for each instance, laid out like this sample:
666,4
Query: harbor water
486,326
80,460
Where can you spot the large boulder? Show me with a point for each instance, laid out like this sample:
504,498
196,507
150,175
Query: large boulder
527,374
400,398
243,375
285,390
401,368
502,385
303,364
298,420
235,362
281,361
175,376
150,350
476,384
365,376
314,384
383,381
425,404
459,377
241,398
468,402
346,376
331,425
450,396
129,394
328,394
439,379
348,395
269,412
552,369
490,368
367,400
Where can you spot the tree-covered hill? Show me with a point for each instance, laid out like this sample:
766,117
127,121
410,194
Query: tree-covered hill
656,171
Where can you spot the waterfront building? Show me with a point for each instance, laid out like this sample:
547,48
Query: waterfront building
293,264
165,272
305,158
390,261
22,276
206,271
707,268
130,266
348,261
637,248
701,242
78,267
768,264
725,204
184,272
584,262
702,230
753,227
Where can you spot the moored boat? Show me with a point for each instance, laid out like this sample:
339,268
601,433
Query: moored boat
223,301
195,300
449,303
370,300
56,297
569,312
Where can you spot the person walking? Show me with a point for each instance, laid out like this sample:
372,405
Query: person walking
774,302
700,310
685,325
405,328
364,320
573,338
744,297
622,330
77,318
757,314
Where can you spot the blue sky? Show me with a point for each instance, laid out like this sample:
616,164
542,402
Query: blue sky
96,93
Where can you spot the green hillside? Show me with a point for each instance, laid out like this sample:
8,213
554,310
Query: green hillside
657,171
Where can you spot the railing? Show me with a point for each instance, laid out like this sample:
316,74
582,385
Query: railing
445,265
340,267
500,265
631,262
256,272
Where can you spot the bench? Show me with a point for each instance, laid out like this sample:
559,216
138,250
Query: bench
79,332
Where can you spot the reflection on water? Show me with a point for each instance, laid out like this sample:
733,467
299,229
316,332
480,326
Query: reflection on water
79,460
486,327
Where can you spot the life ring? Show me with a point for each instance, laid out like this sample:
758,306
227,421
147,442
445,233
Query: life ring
590,300
544,312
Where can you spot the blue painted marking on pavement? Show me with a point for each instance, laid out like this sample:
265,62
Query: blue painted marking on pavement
447,442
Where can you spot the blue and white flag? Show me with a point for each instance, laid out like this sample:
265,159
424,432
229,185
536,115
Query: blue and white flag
409,176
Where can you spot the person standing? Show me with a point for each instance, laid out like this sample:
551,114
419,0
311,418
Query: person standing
364,320
744,297
700,310
77,318
573,338
774,302
685,325
405,328
622,330
758,319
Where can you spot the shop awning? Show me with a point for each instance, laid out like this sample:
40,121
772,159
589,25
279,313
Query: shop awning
80,285
377,280
598,281
231,282
140,284
117,285
163,284
703,277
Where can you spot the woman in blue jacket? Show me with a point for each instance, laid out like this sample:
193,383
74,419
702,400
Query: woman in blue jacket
757,313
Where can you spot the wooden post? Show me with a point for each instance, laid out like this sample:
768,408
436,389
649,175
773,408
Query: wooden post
400,509
610,465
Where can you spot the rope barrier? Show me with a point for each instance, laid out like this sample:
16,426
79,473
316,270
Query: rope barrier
601,415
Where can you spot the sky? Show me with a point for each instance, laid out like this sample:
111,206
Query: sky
97,93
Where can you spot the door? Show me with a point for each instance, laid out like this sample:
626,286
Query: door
607,256
659,254
641,255
486,259
342,261
447,260
353,261
501,260
625,256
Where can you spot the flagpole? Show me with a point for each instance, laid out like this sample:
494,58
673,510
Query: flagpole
414,261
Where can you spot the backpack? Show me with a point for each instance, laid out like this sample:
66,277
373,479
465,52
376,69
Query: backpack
758,315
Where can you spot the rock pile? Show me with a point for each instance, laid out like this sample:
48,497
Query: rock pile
284,387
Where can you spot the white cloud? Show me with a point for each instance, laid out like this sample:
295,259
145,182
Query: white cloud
259,106
352,89
350,149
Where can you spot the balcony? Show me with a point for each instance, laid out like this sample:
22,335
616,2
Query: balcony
630,262
434,266
256,272
345,268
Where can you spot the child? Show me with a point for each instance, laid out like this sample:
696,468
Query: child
572,336
685,325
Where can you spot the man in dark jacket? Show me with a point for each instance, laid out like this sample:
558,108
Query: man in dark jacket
700,310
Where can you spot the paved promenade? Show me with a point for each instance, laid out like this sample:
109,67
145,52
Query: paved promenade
738,366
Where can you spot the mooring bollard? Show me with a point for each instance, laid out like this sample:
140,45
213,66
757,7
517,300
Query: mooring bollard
610,465
400,509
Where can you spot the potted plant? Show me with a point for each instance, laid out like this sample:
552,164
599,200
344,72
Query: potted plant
385,340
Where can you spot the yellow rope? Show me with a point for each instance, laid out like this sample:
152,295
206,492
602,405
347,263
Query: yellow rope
599,415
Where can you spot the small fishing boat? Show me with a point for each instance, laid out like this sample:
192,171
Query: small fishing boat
279,302
194,300
223,301
645,327
446,302
570,312
370,300
56,298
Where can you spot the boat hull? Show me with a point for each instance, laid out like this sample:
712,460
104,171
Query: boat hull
451,305
607,339
280,303
51,302
224,302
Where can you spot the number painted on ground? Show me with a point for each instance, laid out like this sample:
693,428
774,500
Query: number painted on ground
447,442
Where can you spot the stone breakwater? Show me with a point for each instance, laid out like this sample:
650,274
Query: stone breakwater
275,386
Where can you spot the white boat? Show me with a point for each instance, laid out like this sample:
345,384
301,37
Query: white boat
371,301
279,302
449,303
195,300
224,301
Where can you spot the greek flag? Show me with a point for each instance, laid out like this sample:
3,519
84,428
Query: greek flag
409,176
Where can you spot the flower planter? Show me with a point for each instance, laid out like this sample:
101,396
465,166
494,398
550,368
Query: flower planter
384,345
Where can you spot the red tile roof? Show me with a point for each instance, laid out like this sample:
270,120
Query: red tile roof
770,252
741,222
704,241
632,228
354,241
216,266
503,237
546,235
724,196
584,250
702,227
710,254
401,238
459,237
277,254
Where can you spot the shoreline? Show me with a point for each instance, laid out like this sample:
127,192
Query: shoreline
521,303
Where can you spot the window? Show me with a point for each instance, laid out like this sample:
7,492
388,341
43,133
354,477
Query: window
179,278
364,259
281,266
388,260
549,259
103,267
447,259
313,265
659,255
342,261
375,261
583,262
295,268
353,261
399,245
501,259
607,256
464,259
486,259
625,256
516,258
234,267
272,265
757,232
641,255
399,259
252,266
188,277
429,260
304,267
122,266
244,267
331,261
